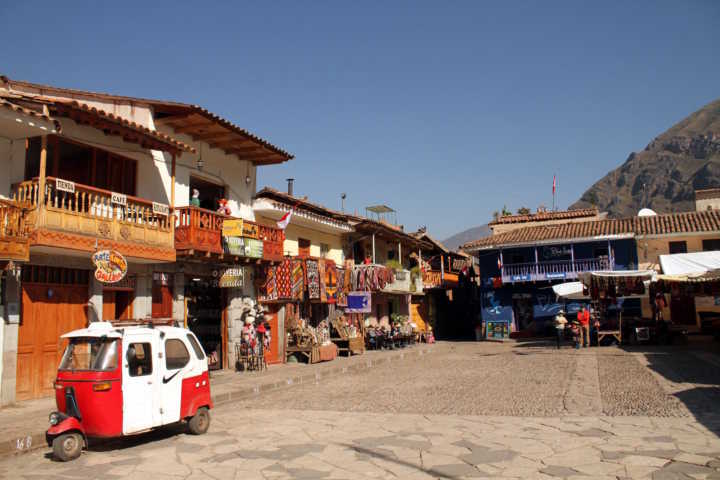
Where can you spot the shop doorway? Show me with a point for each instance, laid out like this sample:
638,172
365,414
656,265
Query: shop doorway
54,302
523,310
682,310
273,354
210,192
206,317
117,304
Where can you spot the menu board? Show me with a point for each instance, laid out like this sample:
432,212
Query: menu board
497,330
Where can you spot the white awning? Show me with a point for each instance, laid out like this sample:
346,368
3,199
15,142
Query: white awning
695,263
570,290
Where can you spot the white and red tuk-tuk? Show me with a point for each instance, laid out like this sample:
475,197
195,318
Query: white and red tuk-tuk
114,381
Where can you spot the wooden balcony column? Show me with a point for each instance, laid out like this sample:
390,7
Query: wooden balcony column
537,267
572,256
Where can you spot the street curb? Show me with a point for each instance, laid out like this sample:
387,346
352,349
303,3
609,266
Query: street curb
34,441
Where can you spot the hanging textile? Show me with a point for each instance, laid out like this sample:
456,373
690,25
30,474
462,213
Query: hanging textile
313,279
283,279
342,288
270,286
298,280
331,281
321,276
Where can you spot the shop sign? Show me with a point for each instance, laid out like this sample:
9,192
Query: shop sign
521,278
432,278
556,276
235,246
497,330
118,198
250,230
160,209
232,228
162,278
359,302
253,248
110,266
65,186
231,277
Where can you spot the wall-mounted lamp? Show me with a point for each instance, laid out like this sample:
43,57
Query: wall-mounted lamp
247,179
200,164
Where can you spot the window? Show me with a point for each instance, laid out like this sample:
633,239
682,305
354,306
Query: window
303,247
196,346
324,250
176,354
209,192
678,247
139,357
95,354
711,244
391,254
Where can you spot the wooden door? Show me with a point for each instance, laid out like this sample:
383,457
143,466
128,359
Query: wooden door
273,354
418,314
108,305
48,311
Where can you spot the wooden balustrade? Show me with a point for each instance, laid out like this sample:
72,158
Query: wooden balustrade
200,230
14,244
99,213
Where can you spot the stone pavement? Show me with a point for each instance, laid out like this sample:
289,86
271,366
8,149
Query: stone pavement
289,444
23,425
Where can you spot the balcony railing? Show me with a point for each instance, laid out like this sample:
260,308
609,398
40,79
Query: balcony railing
82,209
198,229
14,244
529,272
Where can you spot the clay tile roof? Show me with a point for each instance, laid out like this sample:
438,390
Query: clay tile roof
299,202
707,193
4,103
545,216
666,224
68,108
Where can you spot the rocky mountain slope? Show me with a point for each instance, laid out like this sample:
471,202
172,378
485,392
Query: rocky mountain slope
666,173
466,236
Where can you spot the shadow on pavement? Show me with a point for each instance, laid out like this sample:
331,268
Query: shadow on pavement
391,458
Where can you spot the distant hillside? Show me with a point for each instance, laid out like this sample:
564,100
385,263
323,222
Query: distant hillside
454,242
665,175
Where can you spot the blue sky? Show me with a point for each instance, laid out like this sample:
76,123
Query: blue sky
445,111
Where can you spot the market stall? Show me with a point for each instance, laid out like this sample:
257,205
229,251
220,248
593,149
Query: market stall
606,291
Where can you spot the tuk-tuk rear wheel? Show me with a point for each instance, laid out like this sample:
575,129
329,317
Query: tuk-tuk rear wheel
199,423
67,446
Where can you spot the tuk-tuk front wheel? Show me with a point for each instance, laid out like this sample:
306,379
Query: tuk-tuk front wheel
200,423
67,446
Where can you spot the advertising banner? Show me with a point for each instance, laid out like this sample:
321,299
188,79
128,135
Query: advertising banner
359,302
232,228
497,330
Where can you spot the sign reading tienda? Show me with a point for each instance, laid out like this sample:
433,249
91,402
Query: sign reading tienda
110,266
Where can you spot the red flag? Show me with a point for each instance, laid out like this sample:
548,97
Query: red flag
554,184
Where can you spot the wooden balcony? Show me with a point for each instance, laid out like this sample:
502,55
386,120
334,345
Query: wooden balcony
198,232
560,270
14,241
81,217
438,279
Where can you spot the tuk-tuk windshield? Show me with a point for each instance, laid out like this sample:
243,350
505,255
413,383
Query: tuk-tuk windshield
90,353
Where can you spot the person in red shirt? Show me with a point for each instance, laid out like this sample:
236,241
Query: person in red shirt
583,317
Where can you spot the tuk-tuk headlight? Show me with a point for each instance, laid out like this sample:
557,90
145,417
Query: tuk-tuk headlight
54,418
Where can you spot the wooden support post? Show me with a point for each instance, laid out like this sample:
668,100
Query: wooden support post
43,169
572,256
373,248
400,253
442,268
537,267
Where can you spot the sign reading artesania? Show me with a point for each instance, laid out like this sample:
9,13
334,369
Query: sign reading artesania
160,209
232,277
118,198
110,266
65,185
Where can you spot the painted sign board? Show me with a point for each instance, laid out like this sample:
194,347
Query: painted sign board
253,248
232,228
110,266
234,246
118,198
521,278
497,330
160,209
231,277
65,185
359,302
556,276
250,230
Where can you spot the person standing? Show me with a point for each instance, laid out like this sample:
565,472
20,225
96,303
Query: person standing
560,323
584,319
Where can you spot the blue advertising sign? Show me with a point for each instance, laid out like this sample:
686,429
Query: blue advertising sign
358,302
521,278
556,276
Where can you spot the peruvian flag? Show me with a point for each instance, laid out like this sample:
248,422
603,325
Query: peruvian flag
554,184
283,223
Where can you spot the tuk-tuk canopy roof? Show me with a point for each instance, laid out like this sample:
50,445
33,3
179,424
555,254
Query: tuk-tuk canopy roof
95,329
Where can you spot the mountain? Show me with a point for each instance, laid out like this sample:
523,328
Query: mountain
665,175
466,236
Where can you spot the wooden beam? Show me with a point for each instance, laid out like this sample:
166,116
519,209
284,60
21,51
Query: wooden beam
215,136
189,127
173,119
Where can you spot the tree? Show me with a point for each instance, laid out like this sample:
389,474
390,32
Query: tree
505,211
523,211
495,215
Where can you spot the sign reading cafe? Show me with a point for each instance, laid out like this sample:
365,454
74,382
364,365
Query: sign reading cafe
110,266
